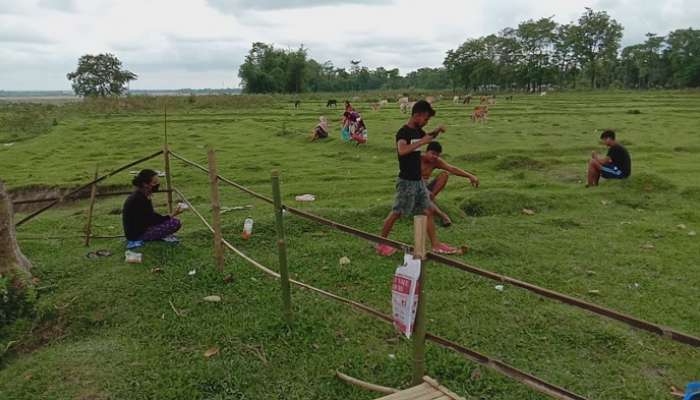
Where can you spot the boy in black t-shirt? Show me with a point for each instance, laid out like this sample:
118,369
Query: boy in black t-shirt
615,165
412,196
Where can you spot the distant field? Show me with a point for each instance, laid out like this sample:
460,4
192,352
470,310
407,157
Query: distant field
106,330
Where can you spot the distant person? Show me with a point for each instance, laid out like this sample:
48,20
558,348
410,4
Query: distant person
429,162
141,223
412,196
615,165
348,118
321,130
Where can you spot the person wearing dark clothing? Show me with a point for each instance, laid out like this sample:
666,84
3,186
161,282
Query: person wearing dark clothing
141,222
412,196
615,165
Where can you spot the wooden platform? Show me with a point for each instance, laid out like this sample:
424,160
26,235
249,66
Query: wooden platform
430,389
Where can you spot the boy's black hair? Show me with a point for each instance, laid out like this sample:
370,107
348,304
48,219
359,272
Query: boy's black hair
609,133
435,146
422,106
143,177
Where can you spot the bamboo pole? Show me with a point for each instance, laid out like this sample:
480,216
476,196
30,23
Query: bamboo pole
282,249
88,225
48,199
85,186
215,211
419,227
166,156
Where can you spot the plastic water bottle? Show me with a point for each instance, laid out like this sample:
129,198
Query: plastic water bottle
247,228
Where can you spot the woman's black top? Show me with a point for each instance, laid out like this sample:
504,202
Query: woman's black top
138,215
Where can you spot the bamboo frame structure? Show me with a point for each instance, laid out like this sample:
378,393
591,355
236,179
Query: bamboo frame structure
215,211
282,248
88,224
419,228
166,159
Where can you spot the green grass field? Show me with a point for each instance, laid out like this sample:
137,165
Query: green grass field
105,329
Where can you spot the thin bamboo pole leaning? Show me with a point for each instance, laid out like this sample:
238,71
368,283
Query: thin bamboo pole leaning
166,156
419,228
109,194
85,186
88,224
631,321
215,211
499,366
282,249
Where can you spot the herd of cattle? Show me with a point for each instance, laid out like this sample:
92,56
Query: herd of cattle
479,113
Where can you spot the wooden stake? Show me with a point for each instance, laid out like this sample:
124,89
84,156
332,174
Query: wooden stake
282,249
166,155
88,224
419,225
216,211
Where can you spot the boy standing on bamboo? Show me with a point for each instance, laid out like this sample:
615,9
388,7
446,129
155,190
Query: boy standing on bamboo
412,196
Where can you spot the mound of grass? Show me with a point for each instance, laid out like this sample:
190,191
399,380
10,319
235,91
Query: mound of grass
505,202
519,162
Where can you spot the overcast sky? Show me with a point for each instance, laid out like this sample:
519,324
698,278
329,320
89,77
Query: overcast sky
200,43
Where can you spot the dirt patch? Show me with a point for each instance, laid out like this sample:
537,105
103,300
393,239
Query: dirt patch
30,198
504,202
519,162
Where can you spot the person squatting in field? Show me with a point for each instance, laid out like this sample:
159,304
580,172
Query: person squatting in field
141,223
615,165
353,126
431,161
412,195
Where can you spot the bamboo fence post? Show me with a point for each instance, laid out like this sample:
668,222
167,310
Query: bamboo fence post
216,211
419,227
166,155
282,249
88,224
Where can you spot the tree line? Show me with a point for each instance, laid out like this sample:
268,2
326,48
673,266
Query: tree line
535,55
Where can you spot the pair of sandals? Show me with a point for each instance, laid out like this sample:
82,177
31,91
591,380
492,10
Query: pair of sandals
386,250
98,253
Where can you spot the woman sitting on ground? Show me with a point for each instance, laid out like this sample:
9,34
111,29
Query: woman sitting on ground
321,130
141,222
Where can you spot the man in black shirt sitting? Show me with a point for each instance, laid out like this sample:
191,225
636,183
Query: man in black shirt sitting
616,165
412,196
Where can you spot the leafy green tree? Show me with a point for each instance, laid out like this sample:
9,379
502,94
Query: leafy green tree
596,40
683,54
537,40
100,75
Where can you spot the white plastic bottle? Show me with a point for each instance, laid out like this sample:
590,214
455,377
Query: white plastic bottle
247,228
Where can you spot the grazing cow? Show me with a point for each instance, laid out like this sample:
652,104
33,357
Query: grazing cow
297,103
482,100
375,106
406,107
383,102
455,99
403,100
480,114
332,102
543,94
430,99
509,98
491,100
467,100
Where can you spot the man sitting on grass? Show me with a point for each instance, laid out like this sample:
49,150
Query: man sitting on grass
430,161
616,165
412,196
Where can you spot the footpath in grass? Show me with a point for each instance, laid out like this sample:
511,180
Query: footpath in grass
107,330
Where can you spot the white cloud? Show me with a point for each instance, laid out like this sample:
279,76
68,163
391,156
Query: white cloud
201,43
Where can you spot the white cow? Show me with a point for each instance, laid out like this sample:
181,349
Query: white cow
455,99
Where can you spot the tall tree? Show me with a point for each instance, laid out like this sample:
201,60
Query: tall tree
100,75
683,54
537,40
597,39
